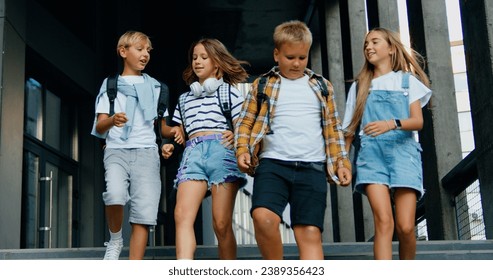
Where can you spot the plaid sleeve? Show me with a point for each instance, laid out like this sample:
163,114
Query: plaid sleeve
246,120
337,154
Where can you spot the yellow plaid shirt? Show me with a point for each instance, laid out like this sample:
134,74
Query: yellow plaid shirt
252,126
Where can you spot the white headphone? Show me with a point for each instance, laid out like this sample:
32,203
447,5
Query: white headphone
210,86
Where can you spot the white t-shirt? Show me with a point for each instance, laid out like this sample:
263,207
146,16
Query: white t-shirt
389,81
296,124
142,134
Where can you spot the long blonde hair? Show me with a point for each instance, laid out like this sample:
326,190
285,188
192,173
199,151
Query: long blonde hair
402,59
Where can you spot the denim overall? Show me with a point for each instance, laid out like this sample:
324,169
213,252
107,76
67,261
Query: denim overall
394,157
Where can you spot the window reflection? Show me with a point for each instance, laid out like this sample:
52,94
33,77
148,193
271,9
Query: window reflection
34,109
50,119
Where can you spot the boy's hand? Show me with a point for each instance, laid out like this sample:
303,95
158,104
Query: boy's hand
167,150
178,132
119,119
228,139
244,163
344,175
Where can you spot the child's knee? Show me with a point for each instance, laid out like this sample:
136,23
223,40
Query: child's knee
265,219
115,197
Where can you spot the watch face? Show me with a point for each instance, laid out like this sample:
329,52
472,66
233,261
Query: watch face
398,123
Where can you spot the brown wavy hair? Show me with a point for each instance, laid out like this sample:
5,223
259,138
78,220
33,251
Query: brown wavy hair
230,68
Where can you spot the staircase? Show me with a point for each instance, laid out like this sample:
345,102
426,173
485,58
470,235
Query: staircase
426,250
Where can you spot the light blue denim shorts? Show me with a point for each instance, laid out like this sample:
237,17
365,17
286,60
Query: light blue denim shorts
206,159
394,163
133,176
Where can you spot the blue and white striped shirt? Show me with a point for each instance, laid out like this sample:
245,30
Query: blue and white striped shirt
203,113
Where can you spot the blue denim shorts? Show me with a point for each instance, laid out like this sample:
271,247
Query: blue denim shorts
301,184
394,163
206,159
133,176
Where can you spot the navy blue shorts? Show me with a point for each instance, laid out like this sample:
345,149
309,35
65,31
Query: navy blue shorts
301,184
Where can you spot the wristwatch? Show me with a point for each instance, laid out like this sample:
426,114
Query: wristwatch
398,124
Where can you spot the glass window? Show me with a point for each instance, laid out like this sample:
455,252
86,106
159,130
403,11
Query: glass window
50,119
34,110
52,127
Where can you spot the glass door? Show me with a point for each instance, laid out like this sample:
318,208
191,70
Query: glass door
45,211
50,170
48,203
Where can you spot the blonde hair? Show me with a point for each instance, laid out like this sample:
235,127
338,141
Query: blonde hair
402,59
292,31
130,38
230,68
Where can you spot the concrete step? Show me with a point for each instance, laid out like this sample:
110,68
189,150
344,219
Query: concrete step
426,250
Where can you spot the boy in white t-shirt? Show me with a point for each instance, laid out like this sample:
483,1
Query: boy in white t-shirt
296,133
131,157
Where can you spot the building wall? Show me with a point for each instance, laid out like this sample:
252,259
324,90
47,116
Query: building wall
11,127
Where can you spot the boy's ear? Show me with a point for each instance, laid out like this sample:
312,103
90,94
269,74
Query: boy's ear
122,52
276,53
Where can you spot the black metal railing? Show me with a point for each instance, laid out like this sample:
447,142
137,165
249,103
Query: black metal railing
462,182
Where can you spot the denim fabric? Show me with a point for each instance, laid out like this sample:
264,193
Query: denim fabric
395,163
392,158
205,158
301,184
132,175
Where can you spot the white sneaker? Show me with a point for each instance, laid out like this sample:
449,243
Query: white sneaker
113,249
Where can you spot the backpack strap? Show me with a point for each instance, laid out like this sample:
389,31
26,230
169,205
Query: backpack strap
111,90
261,92
224,97
323,86
181,106
163,100
161,109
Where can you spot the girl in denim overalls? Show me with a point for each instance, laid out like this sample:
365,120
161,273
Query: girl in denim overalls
385,105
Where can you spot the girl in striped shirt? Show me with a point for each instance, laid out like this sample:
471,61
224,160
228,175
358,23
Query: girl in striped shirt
208,162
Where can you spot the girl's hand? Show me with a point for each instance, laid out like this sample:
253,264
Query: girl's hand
379,127
179,135
228,139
